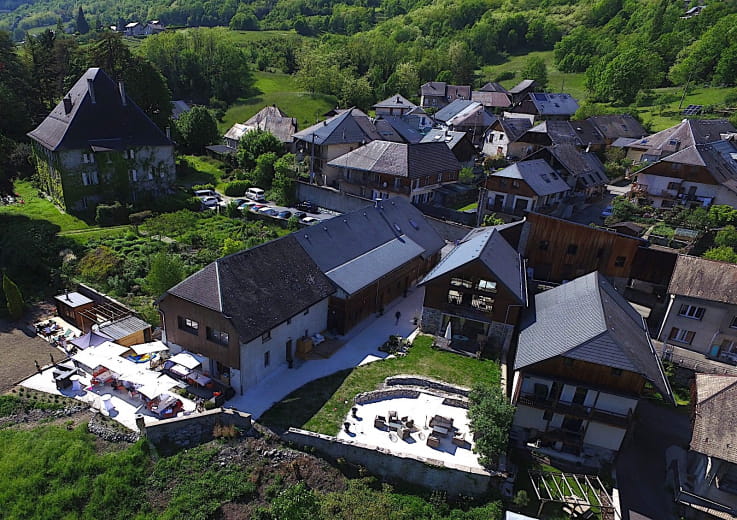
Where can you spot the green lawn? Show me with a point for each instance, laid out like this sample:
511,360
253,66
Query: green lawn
321,406
663,116
206,170
35,207
280,90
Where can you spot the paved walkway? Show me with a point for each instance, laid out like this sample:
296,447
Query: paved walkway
694,360
361,347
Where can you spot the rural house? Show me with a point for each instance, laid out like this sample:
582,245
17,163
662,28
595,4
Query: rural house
583,359
582,170
269,119
547,106
476,292
702,309
493,96
437,94
466,116
458,142
525,186
501,138
522,89
397,105
383,169
98,146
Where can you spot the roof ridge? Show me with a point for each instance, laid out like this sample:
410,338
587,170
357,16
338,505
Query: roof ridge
721,390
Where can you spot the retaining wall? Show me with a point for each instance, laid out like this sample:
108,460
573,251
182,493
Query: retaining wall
192,430
455,480
410,380
330,198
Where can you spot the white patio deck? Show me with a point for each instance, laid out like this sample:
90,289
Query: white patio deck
360,348
124,408
421,410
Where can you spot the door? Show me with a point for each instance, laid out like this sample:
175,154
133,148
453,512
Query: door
288,350
520,204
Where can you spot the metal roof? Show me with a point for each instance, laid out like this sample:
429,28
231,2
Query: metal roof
454,108
538,175
73,299
124,327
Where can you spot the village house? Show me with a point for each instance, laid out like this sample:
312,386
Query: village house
617,126
458,142
466,116
269,119
702,308
583,171
501,138
546,106
396,105
336,136
253,311
584,135
696,176
706,476
584,357
685,134
525,186
383,169
437,94
98,146
493,96
522,89
476,292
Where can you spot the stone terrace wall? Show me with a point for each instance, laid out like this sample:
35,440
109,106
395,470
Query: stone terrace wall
429,473
410,380
191,430
389,393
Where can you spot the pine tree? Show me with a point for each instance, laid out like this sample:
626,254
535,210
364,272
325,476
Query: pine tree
13,297
82,26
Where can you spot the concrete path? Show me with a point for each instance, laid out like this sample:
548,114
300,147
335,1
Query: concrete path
361,347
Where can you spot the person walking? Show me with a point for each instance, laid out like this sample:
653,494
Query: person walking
397,315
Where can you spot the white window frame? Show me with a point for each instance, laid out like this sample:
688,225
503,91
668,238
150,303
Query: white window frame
692,312
133,175
681,335
87,158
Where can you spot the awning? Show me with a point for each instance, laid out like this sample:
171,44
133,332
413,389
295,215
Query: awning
157,387
91,339
99,355
187,359
149,348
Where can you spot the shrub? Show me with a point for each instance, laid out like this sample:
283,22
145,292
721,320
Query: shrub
112,214
203,187
237,188
13,297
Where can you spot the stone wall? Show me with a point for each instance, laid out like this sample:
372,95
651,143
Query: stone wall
191,430
389,393
431,321
433,474
330,198
410,380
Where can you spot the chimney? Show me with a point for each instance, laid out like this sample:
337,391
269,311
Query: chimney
66,294
91,90
121,88
67,104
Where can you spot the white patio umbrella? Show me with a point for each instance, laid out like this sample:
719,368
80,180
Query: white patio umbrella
448,332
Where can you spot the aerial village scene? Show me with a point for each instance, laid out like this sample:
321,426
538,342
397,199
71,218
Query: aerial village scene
450,259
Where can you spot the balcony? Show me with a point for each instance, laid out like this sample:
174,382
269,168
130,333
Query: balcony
576,410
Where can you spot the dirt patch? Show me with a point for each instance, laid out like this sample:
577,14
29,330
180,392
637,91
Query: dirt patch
20,348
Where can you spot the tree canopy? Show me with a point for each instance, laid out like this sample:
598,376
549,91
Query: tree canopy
196,129
490,413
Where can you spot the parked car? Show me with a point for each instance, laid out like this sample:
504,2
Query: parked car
238,201
246,205
299,215
310,221
309,207
269,211
284,214
206,193
607,212
209,202
257,207
256,194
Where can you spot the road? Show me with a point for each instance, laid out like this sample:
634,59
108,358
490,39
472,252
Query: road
641,470
591,213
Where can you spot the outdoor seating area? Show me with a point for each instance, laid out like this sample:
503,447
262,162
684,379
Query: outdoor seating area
57,332
422,426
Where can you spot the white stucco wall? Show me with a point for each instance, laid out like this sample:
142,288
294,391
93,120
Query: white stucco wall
527,417
615,403
252,353
604,436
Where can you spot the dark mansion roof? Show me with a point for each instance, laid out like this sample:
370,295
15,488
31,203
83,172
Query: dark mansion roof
97,119
258,288
399,159
348,127
588,320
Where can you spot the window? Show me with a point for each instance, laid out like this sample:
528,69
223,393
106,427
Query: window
733,325
455,297
267,358
673,185
482,303
547,415
188,325
217,336
580,396
151,174
681,335
543,245
130,154
572,249
616,371
729,345
460,282
89,178
133,175
266,336
619,261
486,285
83,202
87,158
692,311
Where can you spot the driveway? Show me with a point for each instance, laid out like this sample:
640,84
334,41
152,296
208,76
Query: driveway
641,470
591,213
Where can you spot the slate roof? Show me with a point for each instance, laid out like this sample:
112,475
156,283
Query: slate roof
408,132
474,114
538,175
714,424
433,88
453,92
616,126
588,320
338,242
105,123
584,166
348,127
547,104
579,133
705,279
719,158
494,252
523,85
452,109
686,133
450,137
258,288
395,101
492,86
236,131
399,159
491,99
272,119
513,127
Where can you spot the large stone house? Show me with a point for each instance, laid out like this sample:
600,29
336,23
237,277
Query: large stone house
98,146
583,359
702,310
383,169
476,292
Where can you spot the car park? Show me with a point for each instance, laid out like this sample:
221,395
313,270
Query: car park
309,207
206,193
209,202
246,205
257,207
256,194
269,211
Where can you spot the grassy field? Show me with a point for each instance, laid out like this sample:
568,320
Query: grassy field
205,170
39,208
322,405
243,38
281,90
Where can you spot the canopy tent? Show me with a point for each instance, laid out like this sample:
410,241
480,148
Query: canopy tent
96,356
157,387
91,339
187,360
149,348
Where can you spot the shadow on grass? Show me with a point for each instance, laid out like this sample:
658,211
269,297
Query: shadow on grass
301,405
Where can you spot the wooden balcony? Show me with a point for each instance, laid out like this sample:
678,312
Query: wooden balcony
576,410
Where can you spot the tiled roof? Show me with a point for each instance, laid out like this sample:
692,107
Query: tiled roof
615,126
491,99
105,122
587,319
554,104
705,279
523,85
272,119
686,133
715,418
493,87
450,137
399,159
433,88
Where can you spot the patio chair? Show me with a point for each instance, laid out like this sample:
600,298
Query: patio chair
379,422
392,416
410,424
404,433
433,441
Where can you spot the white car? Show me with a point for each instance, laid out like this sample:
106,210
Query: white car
209,202
310,221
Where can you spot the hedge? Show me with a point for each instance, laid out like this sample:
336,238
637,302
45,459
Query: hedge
237,188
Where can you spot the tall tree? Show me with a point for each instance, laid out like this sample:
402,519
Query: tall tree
13,297
196,129
254,144
165,272
490,413
16,102
81,22
536,69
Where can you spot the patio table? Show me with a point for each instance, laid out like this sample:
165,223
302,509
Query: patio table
440,430
394,425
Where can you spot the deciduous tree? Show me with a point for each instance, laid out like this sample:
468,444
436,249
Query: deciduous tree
196,129
490,413
13,297
165,272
